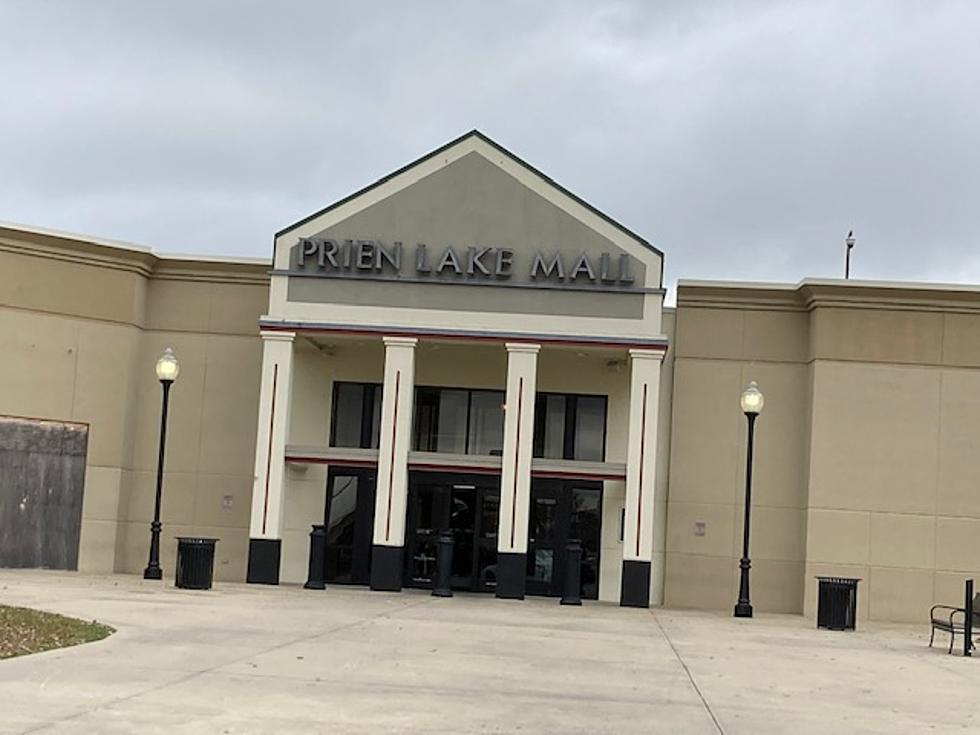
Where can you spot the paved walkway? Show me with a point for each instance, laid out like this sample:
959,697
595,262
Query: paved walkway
249,659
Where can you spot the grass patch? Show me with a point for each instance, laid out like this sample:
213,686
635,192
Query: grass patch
24,631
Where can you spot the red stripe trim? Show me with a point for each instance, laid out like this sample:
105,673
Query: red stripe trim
459,468
452,336
268,459
391,468
639,492
517,459
338,462
565,475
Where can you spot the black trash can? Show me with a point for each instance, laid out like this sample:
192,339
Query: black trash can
837,603
195,563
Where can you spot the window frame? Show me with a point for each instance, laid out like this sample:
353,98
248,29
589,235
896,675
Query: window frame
570,429
371,392
416,438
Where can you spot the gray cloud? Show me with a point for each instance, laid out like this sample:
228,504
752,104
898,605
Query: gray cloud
744,139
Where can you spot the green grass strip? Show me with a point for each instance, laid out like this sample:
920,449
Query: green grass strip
24,631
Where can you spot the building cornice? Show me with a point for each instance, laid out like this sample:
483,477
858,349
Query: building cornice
142,261
810,294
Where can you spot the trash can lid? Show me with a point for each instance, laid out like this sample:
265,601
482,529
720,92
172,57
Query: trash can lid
855,580
197,540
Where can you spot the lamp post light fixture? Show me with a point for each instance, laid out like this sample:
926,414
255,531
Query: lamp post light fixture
849,242
752,403
167,370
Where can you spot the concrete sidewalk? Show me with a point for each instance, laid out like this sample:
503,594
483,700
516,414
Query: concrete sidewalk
250,659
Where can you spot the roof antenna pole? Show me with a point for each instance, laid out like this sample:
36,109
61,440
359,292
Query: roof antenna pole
849,241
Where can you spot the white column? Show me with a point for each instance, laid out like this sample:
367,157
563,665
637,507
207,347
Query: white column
515,473
265,527
391,499
641,475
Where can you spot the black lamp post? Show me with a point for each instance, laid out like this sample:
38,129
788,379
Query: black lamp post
849,242
167,371
752,403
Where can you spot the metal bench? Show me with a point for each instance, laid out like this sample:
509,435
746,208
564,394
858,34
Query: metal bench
952,620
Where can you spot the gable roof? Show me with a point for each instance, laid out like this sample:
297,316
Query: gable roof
476,134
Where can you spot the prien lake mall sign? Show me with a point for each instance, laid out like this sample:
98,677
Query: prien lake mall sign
373,258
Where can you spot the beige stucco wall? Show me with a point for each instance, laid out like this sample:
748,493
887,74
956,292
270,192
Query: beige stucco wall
867,450
716,352
82,323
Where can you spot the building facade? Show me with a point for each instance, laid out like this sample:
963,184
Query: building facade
868,448
461,345
466,346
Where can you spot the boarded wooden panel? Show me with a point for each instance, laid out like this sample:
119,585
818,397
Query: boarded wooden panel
42,480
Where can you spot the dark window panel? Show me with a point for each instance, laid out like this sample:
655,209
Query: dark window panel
549,440
486,423
590,428
348,409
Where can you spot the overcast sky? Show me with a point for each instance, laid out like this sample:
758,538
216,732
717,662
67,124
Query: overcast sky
743,139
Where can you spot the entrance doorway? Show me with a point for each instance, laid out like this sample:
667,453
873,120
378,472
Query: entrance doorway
467,505
349,525
562,510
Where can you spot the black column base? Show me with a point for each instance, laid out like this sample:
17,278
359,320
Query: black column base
743,610
634,590
511,575
386,568
263,560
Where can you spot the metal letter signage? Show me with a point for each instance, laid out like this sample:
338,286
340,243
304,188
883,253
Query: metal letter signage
359,257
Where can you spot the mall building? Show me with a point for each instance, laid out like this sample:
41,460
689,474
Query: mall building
465,345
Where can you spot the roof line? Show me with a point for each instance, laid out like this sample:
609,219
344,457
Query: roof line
829,282
492,143
121,245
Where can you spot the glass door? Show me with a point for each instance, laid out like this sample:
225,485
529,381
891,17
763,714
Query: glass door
584,524
562,510
349,525
428,504
466,505
462,522
545,538
485,579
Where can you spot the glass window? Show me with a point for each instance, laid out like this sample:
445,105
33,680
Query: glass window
568,426
590,427
341,519
542,565
550,421
459,421
585,525
451,423
375,433
356,415
348,406
486,435
426,415
343,503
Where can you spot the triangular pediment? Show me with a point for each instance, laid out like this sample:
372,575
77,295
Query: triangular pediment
474,194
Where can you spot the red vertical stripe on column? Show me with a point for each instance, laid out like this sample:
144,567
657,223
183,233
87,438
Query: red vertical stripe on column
391,468
639,491
268,459
517,458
